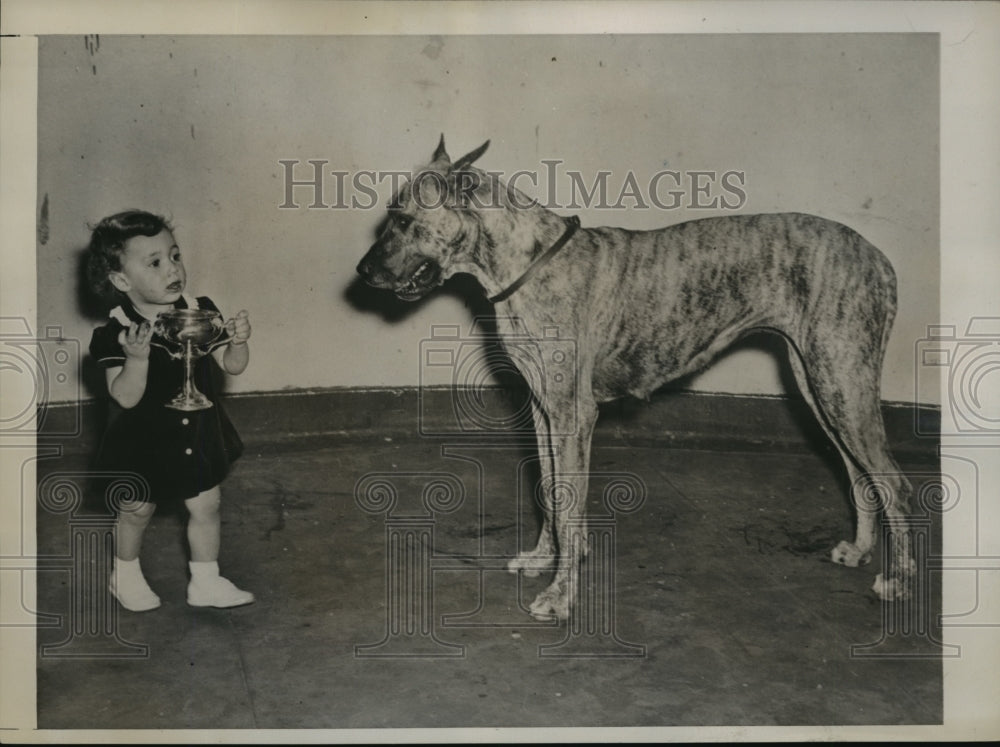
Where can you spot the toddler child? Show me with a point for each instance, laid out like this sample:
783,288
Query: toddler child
183,456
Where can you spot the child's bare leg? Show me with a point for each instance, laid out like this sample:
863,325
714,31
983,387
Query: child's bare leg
204,525
207,587
132,523
127,583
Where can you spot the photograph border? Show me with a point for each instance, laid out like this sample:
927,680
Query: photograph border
970,263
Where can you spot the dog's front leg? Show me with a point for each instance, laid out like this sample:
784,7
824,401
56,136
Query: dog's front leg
566,495
532,562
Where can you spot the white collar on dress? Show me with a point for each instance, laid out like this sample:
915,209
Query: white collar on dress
119,315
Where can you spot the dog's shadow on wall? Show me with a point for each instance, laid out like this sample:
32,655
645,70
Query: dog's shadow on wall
463,287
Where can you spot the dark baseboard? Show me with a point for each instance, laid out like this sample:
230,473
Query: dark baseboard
679,419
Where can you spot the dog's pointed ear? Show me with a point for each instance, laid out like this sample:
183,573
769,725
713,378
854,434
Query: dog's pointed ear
468,158
440,154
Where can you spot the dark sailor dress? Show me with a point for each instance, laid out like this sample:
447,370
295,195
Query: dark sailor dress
179,453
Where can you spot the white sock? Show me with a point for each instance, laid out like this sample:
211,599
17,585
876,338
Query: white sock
128,570
203,570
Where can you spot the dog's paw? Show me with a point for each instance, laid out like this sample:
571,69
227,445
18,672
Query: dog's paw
847,553
891,589
531,563
550,603
899,583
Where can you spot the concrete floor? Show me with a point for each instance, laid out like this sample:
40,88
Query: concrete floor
725,609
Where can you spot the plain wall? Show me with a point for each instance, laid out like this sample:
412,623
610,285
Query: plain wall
841,125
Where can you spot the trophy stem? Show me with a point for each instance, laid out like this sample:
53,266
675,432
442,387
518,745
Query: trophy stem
188,372
189,398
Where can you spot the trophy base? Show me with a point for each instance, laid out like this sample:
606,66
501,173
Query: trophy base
190,404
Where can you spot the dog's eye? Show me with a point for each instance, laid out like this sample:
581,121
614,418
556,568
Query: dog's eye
403,221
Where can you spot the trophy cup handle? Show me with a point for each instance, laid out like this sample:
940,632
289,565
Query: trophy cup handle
158,329
170,351
224,340
217,344
221,339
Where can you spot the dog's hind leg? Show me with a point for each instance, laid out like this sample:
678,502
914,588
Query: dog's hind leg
841,384
846,553
532,562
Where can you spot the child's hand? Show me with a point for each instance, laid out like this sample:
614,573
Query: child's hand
239,328
135,340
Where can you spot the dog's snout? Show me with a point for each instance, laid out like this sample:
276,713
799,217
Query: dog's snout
369,264
371,274
372,270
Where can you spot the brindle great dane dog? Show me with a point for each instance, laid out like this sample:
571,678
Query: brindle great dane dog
645,307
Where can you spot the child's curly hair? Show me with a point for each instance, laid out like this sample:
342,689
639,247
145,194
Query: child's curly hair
107,242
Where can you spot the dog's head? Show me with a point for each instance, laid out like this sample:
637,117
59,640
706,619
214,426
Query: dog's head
427,235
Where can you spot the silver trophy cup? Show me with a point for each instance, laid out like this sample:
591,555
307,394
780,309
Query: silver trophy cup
191,334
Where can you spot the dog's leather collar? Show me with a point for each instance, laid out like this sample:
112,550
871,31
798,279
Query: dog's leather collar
574,223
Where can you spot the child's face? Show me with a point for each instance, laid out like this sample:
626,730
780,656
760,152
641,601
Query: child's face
152,271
